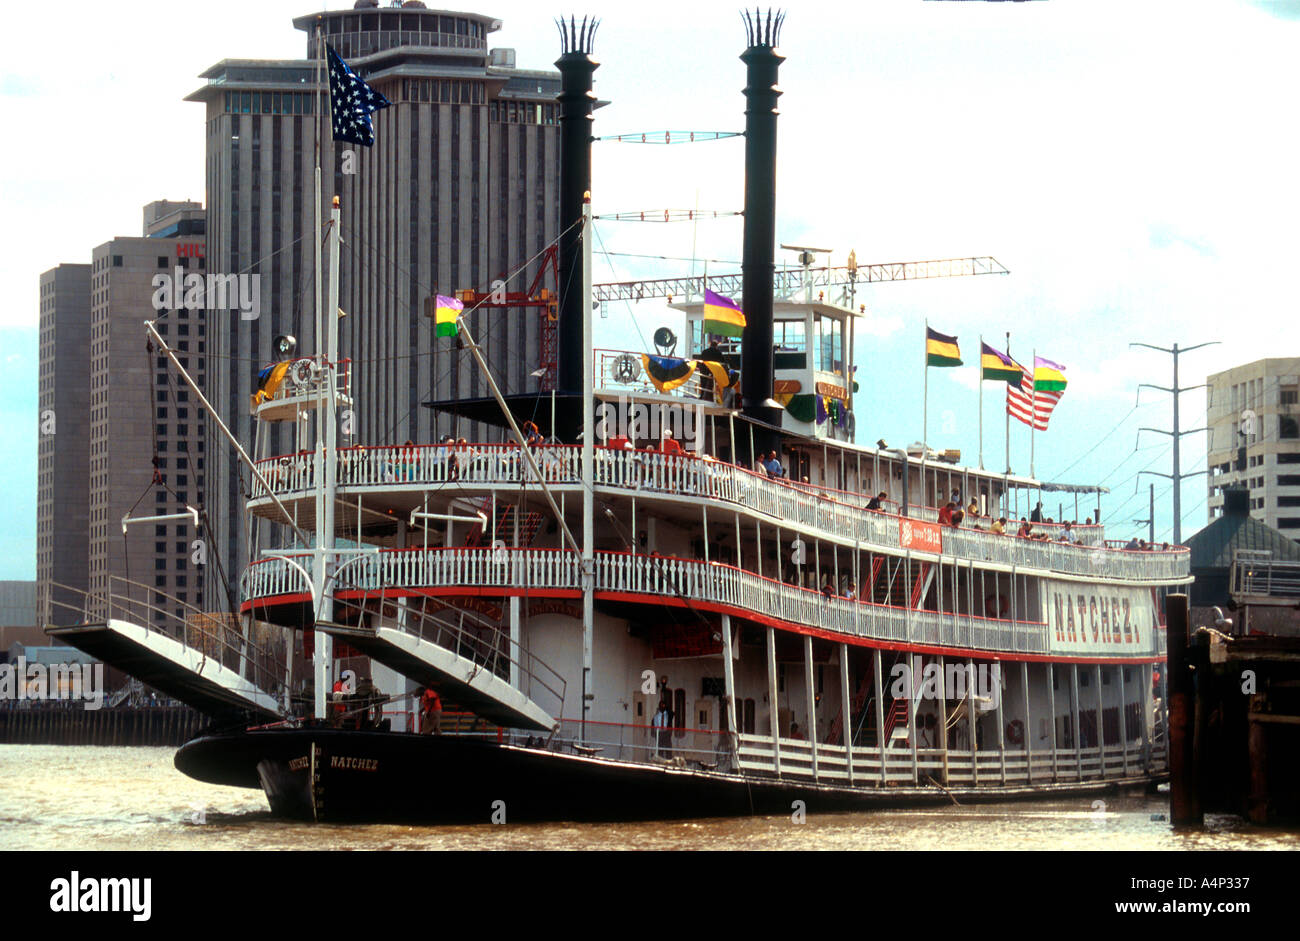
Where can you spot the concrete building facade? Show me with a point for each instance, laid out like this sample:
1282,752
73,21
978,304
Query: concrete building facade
62,487
1254,440
136,431
459,189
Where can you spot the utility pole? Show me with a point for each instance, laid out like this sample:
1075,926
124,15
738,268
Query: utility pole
1150,521
1177,434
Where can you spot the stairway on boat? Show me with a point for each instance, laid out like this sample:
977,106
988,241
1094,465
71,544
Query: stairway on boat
463,654
207,661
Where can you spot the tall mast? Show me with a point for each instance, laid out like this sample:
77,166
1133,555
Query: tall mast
323,647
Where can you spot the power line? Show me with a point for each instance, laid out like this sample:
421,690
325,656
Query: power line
627,304
1177,433
1104,437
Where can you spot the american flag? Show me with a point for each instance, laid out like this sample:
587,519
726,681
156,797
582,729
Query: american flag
1032,408
352,102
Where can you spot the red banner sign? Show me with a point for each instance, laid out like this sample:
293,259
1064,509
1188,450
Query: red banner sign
915,534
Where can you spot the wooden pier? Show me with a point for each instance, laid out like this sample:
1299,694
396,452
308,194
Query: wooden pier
1234,718
157,725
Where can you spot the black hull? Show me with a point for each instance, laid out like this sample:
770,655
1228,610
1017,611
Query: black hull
338,776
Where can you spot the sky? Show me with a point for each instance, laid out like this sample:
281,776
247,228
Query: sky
1133,165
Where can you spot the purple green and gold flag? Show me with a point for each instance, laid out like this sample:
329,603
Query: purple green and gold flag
446,312
722,315
1048,376
941,349
998,366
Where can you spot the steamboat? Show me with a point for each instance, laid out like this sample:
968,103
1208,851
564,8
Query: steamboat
673,587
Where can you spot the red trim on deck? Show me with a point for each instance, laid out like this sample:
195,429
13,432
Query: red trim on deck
717,608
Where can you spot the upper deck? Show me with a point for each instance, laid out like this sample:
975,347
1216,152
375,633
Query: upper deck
384,485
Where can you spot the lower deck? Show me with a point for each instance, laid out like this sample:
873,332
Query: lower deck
705,691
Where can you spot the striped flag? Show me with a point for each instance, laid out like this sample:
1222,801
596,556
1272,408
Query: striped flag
995,365
446,313
1026,405
722,316
941,349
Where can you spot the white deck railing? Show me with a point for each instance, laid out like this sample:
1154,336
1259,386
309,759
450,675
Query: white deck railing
834,512
872,764
671,578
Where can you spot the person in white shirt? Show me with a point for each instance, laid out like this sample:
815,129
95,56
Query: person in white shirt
663,725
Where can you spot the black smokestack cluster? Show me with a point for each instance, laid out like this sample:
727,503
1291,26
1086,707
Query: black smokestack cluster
577,102
758,266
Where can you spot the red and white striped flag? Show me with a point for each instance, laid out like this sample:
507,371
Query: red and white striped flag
1026,405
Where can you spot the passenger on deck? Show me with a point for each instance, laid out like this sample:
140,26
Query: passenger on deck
973,509
874,503
773,465
999,526
1068,534
532,435
430,712
851,591
442,456
711,355
1037,515
338,696
463,457
671,445
729,394
828,590
1132,544
945,514
1025,531
662,723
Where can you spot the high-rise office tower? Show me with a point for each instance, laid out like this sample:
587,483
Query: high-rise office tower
1253,413
459,189
62,484
127,434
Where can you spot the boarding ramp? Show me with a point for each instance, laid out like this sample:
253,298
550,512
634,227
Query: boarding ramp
1257,578
461,653
222,667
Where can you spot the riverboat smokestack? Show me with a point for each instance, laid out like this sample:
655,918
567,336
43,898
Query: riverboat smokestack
758,264
577,102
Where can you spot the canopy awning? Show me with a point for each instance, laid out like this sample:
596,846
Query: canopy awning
536,407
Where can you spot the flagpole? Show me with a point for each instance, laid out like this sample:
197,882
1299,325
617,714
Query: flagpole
1033,413
981,400
925,393
1006,485
316,336
323,648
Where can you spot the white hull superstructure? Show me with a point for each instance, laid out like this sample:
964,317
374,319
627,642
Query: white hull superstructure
792,631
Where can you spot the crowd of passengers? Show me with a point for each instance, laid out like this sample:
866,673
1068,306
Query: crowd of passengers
456,453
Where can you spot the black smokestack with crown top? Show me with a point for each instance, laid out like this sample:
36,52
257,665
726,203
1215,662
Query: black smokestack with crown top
758,265
577,41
